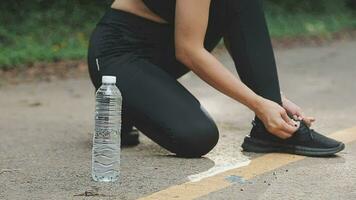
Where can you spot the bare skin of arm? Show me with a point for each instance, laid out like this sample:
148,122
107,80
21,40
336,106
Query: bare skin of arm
190,27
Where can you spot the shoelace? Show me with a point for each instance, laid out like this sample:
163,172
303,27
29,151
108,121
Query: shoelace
305,128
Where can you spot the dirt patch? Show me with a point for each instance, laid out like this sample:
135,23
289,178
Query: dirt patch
44,72
314,41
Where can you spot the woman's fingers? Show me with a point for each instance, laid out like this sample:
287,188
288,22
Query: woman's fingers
312,119
284,130
309,120
290,129
288,120
287,125
300,115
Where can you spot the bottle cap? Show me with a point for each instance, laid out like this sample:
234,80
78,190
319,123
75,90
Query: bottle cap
108,79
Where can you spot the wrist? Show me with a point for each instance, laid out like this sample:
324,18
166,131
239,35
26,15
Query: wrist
283,99
256,103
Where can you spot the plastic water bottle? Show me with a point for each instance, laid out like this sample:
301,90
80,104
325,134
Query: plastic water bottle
106,140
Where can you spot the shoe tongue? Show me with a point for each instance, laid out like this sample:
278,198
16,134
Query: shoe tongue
303,132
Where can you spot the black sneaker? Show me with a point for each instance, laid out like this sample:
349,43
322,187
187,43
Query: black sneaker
130,138
305,141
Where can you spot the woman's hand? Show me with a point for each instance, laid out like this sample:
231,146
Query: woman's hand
295,111
275,119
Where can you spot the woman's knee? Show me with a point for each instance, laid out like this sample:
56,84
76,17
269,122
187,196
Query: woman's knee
197,139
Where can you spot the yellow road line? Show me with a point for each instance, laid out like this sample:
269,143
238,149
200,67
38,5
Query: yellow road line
260,165
347,135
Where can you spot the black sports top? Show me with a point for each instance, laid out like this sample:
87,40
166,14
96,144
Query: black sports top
163,8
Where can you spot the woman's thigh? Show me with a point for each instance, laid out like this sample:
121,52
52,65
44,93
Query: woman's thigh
161,108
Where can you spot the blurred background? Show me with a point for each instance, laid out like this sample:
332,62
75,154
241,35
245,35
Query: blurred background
49,30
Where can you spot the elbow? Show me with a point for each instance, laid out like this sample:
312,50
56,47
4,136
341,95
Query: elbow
182,55
187,54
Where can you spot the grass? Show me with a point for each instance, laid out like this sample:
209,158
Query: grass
62,33
291,24
57,32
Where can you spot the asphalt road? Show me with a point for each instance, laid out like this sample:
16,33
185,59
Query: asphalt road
46,127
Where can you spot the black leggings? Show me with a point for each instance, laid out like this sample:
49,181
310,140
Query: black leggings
141,54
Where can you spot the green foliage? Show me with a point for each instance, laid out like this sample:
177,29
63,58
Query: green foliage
49,30
308,17
46,30
309,6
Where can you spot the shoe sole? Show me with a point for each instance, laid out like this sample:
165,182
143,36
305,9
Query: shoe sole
260,146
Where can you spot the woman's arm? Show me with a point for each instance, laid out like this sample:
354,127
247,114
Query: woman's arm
190,27
191,23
